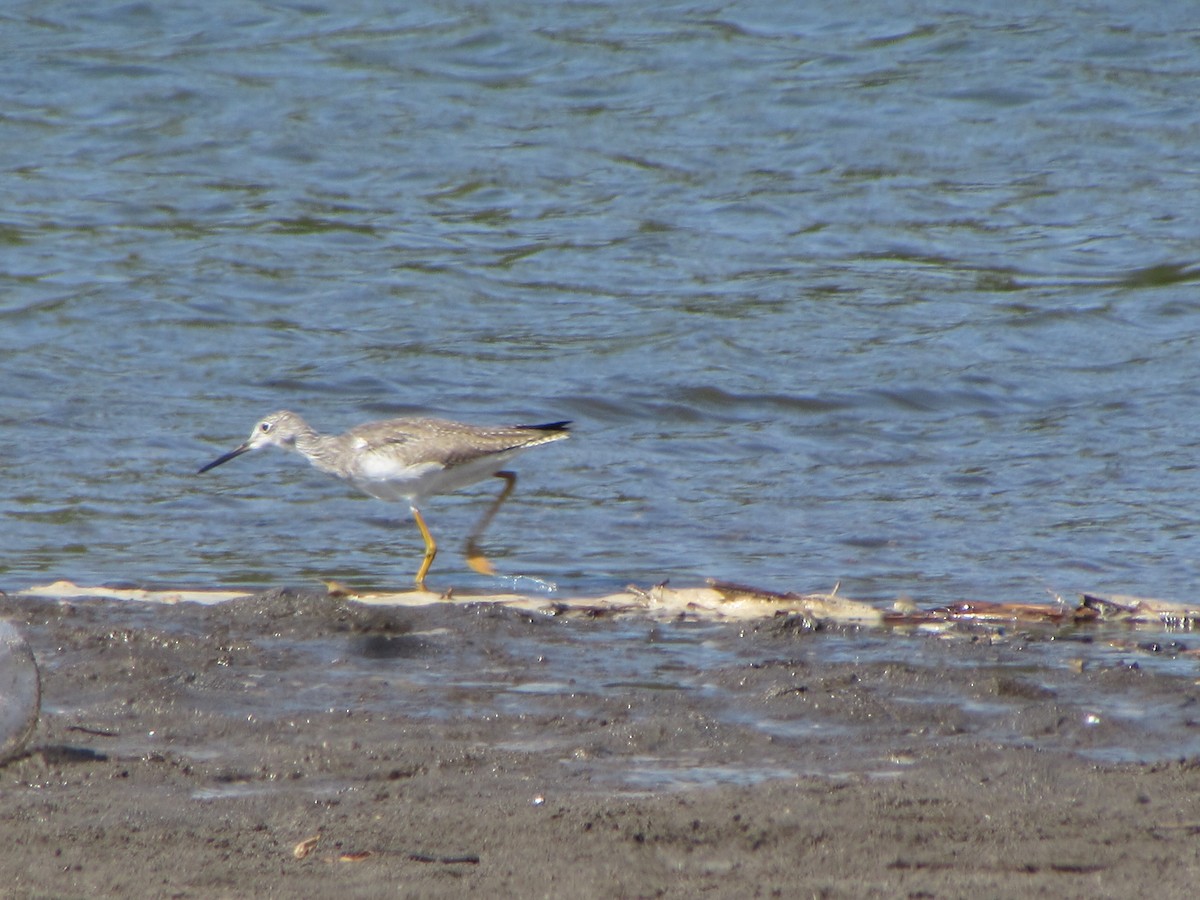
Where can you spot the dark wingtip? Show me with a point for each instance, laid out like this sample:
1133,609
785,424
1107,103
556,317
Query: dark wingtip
550,426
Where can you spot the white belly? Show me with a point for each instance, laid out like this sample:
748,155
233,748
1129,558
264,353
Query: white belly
383,479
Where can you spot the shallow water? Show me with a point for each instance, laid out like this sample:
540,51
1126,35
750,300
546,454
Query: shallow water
904,298
622,704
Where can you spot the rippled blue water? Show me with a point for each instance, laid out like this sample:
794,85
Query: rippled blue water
901,294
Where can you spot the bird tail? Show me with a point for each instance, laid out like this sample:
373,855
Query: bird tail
549,426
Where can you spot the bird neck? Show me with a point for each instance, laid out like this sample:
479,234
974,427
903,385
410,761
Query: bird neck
321,450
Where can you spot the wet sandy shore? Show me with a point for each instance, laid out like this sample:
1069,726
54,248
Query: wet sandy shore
188,750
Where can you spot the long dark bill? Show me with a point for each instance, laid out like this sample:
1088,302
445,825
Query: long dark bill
224,459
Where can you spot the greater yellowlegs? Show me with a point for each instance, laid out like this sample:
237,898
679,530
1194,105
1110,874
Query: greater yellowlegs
409,459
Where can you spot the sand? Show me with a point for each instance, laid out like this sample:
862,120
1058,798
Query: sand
293,744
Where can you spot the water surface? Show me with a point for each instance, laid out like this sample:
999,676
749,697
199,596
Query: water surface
903,296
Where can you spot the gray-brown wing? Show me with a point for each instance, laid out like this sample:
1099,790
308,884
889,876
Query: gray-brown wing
412,441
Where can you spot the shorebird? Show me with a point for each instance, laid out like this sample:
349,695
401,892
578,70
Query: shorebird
409,459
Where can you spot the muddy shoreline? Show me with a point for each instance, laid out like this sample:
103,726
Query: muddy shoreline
187,751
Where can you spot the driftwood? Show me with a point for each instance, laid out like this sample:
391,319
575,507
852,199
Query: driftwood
983,612
819,607
1141,611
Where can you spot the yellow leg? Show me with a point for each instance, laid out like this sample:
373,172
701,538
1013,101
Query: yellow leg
475,558
430,549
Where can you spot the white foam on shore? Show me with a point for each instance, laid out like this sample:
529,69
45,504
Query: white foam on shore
660,601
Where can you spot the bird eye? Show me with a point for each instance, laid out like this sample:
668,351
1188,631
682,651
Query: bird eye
264,427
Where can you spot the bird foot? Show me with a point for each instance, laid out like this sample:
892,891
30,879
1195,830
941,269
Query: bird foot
478,562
